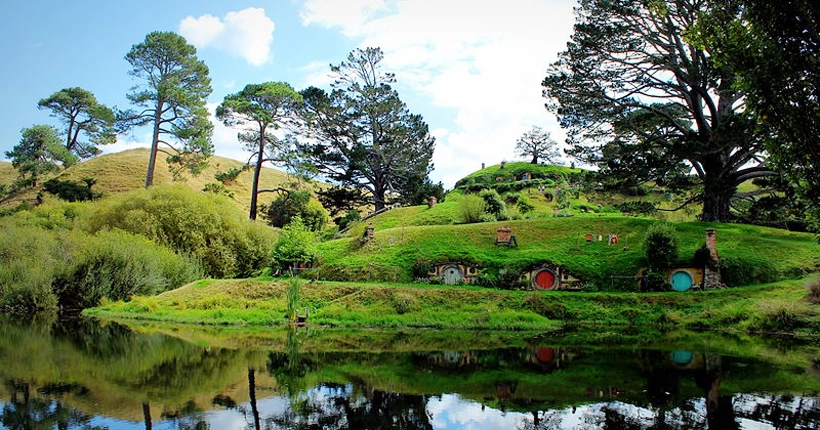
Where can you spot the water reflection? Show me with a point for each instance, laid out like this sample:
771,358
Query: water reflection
85,375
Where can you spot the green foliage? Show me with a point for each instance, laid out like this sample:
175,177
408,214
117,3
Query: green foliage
71,191
229,176
294,285
637,208
350,217
266,107
218,188
117,265
494,204
363,135
29,261
172,93
81,114
39,153
661,246
297,245
594,89
471,208
209,228
293,204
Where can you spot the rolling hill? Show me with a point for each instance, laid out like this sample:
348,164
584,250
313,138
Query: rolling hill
125,171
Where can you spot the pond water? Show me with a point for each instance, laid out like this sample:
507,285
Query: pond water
86,375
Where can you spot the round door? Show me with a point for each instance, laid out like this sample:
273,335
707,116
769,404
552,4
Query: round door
681,280
546,279
452,275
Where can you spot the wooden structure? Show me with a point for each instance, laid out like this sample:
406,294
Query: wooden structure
504,236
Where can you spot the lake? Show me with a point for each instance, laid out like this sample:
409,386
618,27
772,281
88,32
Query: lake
81,374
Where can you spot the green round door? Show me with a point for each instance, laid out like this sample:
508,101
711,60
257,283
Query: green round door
681,280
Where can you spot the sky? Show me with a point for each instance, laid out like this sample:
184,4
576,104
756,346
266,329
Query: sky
472,69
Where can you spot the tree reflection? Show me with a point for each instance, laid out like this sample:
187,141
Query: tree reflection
337,407
25,411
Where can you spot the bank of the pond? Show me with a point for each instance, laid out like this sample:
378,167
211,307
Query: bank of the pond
772,308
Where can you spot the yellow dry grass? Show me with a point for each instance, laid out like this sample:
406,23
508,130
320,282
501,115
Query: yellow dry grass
125,171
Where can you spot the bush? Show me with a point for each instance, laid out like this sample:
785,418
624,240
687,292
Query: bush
296,203
638,208
660,246
494,204
471,208
207,227
71,191
117,265
350,217
29,260
296,245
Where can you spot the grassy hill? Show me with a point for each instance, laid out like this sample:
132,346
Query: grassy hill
125,171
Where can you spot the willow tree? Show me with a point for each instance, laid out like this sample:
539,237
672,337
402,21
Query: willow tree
642,102
261,109
172,94
362,135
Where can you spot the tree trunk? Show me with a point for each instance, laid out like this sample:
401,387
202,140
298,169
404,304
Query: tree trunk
257,424
146,415
534,159
152,160
717,199
256,172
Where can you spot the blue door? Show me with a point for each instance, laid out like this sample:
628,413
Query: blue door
681,280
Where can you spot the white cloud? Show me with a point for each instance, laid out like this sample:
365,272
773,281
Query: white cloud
247,33
481,61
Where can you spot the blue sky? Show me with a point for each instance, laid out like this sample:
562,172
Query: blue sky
472,69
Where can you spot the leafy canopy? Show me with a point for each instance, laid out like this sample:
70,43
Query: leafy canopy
39,152
81,114
362,135
172,92
260,110
644,104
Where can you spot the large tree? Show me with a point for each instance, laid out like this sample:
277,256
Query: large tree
537,143
265,108
172,92
774,47
642,102
362,135
39,152
81,114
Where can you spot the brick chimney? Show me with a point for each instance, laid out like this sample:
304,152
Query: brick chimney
711,274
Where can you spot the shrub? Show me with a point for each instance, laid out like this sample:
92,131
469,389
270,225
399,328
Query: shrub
350,217
296,245
296,203
639,207
29,260
525,205
117,265
660,246
494,203
71,191
207,227
471,207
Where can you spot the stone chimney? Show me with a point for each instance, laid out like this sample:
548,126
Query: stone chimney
711,245
711,274
431,201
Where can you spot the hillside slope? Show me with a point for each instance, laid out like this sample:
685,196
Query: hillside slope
125,171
